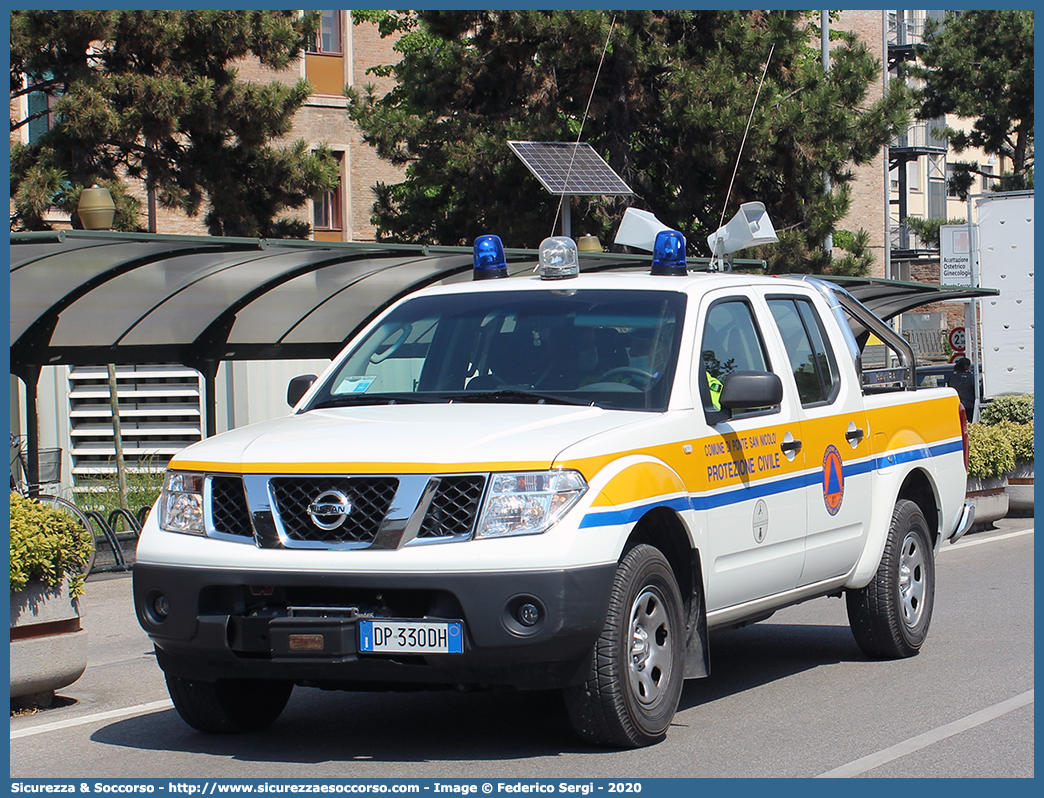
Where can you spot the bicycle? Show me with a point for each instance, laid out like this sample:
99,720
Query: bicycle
50,464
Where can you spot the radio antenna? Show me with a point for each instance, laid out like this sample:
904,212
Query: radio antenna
743,141
583,121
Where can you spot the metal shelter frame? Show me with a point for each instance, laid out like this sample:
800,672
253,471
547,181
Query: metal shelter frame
91,298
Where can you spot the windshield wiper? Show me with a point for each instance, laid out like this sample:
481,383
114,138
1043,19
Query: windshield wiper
514,395
353,399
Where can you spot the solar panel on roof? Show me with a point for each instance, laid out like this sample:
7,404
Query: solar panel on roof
564,168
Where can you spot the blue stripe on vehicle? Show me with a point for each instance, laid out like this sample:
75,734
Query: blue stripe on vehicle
755,490
632,514
923,453
759,490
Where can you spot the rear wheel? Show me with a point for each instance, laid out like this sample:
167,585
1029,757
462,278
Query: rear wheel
229,706
635,679
890,616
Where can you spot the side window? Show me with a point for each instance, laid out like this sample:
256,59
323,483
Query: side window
731,342
327,207
811,358
328,38
41,106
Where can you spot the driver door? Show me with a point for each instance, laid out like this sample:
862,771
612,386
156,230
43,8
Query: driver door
755,507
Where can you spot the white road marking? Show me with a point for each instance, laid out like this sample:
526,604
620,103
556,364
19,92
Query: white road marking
868,763
970,543
140,709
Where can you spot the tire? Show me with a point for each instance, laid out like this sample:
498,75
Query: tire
229,706
890,616
632,688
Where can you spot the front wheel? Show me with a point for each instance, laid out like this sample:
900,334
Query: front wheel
229,706
890,616
634,683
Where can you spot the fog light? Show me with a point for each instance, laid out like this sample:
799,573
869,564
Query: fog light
528,614
161,607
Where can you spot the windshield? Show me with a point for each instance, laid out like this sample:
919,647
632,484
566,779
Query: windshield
608,348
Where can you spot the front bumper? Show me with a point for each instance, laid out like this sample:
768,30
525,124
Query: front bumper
224,623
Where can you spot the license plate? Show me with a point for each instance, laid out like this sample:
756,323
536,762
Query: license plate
413,637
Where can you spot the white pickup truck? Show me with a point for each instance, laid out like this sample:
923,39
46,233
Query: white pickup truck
555,483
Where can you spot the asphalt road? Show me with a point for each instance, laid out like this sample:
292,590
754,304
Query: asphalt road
789,697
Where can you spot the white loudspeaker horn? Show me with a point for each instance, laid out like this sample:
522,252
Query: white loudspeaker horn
750,227
638,229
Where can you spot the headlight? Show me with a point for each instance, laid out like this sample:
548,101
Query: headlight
528,503
181,503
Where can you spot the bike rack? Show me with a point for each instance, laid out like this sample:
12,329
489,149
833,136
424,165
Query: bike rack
143,513
110,537
129,518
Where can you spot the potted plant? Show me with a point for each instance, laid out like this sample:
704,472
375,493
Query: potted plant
1013,415
990,458
49,552
1020,478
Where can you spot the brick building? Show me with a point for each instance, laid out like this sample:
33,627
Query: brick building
339,56
867,210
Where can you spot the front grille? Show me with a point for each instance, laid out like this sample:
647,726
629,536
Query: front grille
228,507
370,498
453,507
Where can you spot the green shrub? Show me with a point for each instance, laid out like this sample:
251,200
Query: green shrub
1017,408
47,545
990,454
1020,436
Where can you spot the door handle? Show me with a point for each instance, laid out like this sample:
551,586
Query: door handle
855,436
790,446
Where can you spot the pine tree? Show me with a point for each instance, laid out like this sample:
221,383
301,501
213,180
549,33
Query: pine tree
668,112
979,65
155,95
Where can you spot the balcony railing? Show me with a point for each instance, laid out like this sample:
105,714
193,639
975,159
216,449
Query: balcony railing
905,31
903,239
922,136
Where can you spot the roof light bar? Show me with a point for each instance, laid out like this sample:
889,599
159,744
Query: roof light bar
669,254
490,261
559,259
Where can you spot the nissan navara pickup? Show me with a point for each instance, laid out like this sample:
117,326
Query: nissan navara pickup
556,481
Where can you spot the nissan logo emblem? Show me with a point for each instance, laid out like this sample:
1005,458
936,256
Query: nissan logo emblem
329,509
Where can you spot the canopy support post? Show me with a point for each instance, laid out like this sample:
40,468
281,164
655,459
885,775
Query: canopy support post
30,376
209,371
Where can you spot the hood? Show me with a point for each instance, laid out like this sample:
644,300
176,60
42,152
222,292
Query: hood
404,439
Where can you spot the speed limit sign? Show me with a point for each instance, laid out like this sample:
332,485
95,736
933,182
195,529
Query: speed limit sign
957,339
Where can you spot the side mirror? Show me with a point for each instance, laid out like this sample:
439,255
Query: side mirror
743,390
298,387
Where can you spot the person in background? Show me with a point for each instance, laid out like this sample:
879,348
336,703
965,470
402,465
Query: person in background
963,381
